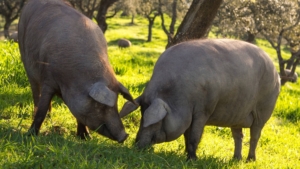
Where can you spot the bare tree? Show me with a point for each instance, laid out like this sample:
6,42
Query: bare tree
10,10
197,21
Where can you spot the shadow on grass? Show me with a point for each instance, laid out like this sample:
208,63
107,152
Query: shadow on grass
19,104
13,104
67,151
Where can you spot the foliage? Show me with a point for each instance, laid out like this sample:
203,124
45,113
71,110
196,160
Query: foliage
276,21
57,146
10,10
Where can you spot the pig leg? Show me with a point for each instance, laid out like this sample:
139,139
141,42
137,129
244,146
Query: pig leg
82,131
43,107
36,91
193,135
255,132
237,135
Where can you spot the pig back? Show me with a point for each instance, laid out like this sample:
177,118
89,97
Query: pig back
57,41
226,79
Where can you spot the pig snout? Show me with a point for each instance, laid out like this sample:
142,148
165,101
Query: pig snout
115,134
123,137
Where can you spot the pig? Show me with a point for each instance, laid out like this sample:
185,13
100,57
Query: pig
65,54
124,43
218,82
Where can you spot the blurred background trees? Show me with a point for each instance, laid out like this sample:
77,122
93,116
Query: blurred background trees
10,11
273,20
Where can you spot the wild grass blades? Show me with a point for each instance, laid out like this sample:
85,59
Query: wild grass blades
57,146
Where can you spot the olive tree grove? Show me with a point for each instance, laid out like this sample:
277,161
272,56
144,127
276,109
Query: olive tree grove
95,7
275,21
197,21
10,11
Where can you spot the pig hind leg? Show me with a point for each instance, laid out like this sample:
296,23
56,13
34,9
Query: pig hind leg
43,106
254,137
263,112
237,135
36,93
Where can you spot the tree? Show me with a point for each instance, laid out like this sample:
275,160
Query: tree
176,9
88,8
149,9
10,10
281,21
197,21
235,19
276,21
128,7
102,11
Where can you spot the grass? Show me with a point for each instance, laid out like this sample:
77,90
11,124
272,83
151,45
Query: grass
57,146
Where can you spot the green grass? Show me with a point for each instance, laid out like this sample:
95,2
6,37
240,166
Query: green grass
57,146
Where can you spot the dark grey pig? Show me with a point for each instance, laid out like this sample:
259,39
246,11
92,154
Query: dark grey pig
226,83
65,54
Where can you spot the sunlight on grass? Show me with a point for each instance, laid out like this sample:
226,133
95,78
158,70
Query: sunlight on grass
58,147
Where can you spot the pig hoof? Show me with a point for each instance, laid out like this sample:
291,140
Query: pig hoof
191,157
84,136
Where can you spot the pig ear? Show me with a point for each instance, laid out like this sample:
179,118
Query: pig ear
155,112
125,93
129,107
102,94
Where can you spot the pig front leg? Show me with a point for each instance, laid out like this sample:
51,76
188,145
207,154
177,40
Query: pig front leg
193,135
82,131
237,135
43,107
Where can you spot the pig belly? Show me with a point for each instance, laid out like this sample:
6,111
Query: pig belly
231,120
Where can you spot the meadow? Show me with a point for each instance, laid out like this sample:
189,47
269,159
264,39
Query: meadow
58,147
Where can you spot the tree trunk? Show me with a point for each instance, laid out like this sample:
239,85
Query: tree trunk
6,27
132,19
170,32
197,21
151,22
101,16
250,37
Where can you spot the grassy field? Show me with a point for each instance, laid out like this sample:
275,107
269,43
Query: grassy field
57,146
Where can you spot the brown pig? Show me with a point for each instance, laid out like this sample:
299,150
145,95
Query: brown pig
227,83
65,53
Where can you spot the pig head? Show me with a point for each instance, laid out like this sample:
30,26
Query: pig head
64,53
220,82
